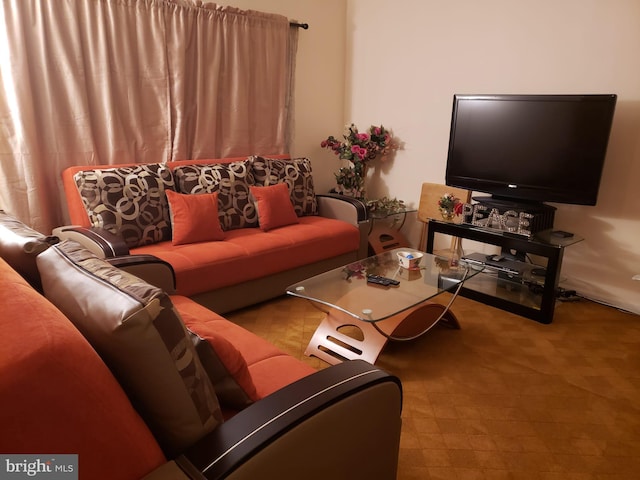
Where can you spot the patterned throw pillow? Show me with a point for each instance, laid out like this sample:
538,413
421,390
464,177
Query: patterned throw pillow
140,336
296,173
128,201
231,181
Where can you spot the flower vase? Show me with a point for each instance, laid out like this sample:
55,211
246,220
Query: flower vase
447,215
350,180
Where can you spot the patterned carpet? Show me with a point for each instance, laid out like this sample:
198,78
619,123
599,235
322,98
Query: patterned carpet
504,397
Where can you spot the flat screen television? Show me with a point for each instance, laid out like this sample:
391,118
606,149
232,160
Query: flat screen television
530,149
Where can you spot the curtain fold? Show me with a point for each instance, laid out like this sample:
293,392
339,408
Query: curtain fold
119,81
242,58
289,129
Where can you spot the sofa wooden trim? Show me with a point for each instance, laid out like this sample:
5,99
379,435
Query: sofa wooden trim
99,241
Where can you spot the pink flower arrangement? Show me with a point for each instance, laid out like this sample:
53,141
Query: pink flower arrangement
359,148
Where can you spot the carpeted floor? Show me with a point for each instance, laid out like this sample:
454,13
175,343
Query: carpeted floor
504,397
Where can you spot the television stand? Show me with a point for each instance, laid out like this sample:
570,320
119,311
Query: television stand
530,292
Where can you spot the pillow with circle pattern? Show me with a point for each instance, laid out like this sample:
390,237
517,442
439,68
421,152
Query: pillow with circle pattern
128,201
296,173
231,180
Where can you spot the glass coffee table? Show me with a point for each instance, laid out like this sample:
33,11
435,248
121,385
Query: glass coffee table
362,316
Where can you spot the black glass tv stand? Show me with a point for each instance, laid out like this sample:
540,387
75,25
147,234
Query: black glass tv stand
531,290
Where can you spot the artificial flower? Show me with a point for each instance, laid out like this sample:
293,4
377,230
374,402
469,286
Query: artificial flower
450,203
359,148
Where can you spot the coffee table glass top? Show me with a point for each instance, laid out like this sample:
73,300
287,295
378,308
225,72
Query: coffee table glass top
346,288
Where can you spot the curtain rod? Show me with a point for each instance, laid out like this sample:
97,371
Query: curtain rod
299,25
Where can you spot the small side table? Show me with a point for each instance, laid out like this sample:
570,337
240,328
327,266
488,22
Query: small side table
384,233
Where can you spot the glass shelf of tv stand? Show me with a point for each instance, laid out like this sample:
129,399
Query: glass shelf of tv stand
546,237
549,237
530,295
524,289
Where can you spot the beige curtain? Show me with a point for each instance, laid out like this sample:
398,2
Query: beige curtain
117,81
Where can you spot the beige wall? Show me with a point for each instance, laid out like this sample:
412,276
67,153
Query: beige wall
405,60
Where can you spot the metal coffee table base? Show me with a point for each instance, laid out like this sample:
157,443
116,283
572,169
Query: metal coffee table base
335,338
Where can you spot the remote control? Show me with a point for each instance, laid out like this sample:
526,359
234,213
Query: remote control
384,281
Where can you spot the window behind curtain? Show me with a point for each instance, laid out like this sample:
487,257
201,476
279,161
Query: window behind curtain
119,81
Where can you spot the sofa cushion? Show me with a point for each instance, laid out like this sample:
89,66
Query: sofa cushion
296,173
135,329
129,201
194,218
231,181
57,396
250,253
270,368
274,206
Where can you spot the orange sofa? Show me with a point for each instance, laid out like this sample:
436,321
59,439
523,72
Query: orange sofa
247,263
95,367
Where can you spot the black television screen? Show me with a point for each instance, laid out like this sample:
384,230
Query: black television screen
530,148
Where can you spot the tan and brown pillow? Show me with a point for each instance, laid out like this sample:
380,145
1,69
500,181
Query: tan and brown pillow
128,201
296,173
142,339
231,181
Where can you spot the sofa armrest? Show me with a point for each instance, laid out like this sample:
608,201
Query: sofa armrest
350,210
343,419
342,207
19,246
99,241
149,268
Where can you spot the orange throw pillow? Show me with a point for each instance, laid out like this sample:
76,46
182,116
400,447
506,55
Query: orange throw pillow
194,218
274,206
226,367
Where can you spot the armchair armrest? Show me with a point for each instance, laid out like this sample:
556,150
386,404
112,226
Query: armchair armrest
343,420
149,268
101,242
350,210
